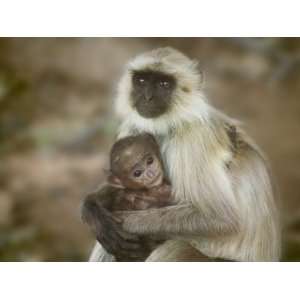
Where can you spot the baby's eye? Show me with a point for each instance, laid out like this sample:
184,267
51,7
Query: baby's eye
149,160
137,173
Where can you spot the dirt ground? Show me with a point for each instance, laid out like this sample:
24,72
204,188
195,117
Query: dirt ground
57,125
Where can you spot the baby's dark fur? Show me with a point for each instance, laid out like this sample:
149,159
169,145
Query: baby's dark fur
130,156
138,154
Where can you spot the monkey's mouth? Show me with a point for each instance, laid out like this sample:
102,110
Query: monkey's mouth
156,181
150,110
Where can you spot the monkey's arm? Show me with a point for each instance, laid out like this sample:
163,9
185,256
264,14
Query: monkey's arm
179,220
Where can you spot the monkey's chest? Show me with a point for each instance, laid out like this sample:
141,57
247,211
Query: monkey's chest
185,167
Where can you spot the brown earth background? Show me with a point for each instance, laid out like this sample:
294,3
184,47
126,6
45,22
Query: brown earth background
57,125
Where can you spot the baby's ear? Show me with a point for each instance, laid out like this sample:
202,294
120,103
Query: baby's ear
114,181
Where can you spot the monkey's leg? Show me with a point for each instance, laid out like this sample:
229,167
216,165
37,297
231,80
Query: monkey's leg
177,251
99,254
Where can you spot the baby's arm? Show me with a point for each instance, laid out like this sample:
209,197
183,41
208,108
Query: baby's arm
155,197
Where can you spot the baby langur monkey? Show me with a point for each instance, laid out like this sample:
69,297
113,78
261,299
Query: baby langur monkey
137,171
136,182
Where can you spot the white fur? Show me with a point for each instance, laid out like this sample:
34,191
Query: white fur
195,149
99,254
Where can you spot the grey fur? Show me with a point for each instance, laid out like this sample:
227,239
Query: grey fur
225,203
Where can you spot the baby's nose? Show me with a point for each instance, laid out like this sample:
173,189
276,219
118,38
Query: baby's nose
150,173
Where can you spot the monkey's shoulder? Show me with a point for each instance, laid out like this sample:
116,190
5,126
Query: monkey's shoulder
241,146
237,137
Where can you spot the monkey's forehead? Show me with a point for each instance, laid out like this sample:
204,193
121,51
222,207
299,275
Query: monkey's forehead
158,58
168,61
130,156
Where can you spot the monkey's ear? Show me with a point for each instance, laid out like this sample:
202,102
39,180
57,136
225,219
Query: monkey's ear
114,181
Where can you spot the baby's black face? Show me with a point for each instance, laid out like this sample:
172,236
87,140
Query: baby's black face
152,92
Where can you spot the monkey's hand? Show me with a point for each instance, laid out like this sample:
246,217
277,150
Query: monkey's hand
181,220
109,232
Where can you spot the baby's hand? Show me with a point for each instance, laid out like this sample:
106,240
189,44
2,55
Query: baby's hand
131,197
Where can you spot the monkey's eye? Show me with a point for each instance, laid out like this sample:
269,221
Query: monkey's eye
149,160
137,173
164,84
141,80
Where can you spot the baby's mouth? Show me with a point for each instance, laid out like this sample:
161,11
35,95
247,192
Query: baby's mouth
156,181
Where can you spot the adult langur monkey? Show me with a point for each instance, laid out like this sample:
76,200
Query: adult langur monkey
224,200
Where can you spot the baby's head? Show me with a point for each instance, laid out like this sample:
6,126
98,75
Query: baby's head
136,163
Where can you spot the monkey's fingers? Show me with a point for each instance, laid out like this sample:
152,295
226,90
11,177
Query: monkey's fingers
115,226
129,236
128,243
113,244
111,235
114,232
107,245
117,219
126,250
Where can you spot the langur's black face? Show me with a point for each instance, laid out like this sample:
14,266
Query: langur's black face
152,92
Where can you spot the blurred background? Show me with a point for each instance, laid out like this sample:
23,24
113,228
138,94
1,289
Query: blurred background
57,126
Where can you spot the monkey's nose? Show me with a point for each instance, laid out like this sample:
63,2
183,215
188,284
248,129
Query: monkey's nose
149,98
148,95
150,173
